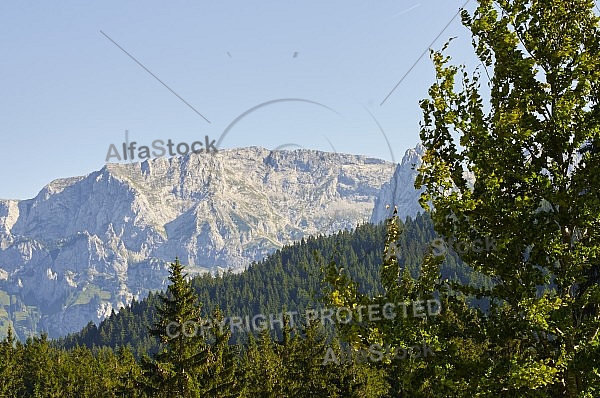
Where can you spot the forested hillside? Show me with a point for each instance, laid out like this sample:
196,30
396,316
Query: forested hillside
289,279
113,359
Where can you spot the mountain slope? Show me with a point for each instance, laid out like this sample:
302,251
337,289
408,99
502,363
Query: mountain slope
86,245
400,191
287,280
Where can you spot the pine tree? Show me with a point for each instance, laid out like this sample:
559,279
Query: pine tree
127,373
40,368
184,352
263,367
10,367
220,376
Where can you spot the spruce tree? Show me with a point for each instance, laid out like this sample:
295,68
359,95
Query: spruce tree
220,378
10,367
184,352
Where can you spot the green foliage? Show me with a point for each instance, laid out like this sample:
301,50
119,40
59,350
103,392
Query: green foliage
522,319
36,369
397,331
293,367
10,367
272,364
183,362
533,153
287,279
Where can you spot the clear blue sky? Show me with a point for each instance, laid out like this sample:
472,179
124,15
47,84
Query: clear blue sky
67,92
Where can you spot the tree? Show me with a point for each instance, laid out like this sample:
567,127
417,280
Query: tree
41,368
127,373
184,352
389,333
219,378
536,173
10,367
263,367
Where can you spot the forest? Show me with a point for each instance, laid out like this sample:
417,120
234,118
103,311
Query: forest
114,358
511,159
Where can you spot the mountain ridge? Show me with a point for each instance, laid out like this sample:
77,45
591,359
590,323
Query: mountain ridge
86,245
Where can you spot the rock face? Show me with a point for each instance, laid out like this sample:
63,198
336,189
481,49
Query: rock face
400,190
87,245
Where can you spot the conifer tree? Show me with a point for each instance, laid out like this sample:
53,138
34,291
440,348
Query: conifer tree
10,367
263,367
220,377
184,353
127,374
40,368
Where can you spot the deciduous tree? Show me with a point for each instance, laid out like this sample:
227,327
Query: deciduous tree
529,138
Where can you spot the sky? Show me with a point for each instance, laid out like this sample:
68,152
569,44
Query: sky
67,91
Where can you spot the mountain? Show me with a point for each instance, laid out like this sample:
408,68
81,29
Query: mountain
90,244
400,191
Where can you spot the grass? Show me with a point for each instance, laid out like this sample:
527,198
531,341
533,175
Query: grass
4,299
90,292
